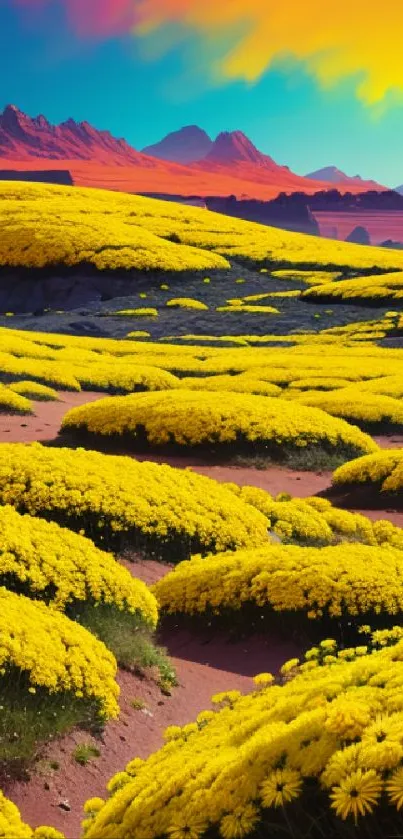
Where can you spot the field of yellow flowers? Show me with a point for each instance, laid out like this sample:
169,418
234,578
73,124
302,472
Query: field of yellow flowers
316,749
44,225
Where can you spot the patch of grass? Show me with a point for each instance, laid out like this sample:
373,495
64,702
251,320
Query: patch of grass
30,720
128,637
138,704
308,459
85,752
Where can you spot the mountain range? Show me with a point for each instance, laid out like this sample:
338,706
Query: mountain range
187,161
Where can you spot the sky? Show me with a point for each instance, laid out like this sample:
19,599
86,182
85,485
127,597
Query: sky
311,83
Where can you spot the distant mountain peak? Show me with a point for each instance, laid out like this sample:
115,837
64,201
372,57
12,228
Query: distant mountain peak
331,174
23,138
186,145
236,147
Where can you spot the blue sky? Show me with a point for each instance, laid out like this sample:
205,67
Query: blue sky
45,68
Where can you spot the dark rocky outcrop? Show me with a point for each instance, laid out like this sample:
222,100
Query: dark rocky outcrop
47,176
287,212
359,236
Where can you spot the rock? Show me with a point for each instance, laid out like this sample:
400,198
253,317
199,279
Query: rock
359,236
64,804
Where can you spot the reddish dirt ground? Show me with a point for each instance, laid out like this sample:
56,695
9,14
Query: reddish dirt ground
204,665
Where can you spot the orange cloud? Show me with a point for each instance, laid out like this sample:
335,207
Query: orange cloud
334,39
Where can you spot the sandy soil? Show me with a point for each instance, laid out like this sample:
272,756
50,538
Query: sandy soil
204,665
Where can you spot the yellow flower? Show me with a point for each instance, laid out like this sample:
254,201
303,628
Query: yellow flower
357,794
264,679
239,823
394,788
187,826
281,787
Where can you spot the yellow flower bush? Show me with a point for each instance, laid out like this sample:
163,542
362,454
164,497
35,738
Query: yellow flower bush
379,287
384,470
327,739
339,581
186,303
56,653
307,277
45,225
356,405
12,826
251,310
241,383
119,376
42,556
34,390
40,370
139,333
313,520
142,311
117,500
190,418
13,403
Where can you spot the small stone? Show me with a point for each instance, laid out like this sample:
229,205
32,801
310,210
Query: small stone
64,804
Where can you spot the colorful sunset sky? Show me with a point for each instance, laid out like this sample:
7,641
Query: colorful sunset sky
312,83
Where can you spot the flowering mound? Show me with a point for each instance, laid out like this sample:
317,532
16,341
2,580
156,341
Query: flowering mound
324,746
336,581
49,225
33,390
117,500
314,521
56,653
378,288
242,383
39,369
12,826
382,471
257,424
141,312
124,377
186,303
13,403
365,409
248,309
49,561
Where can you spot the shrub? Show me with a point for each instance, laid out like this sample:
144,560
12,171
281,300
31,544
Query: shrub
383,470
11,824
384,287
41,559
142,311
13,403
56,653
122,377
243,383
186,303
310,521
343,581
364,409
255,424
322,747
116,501
250,310
34,390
